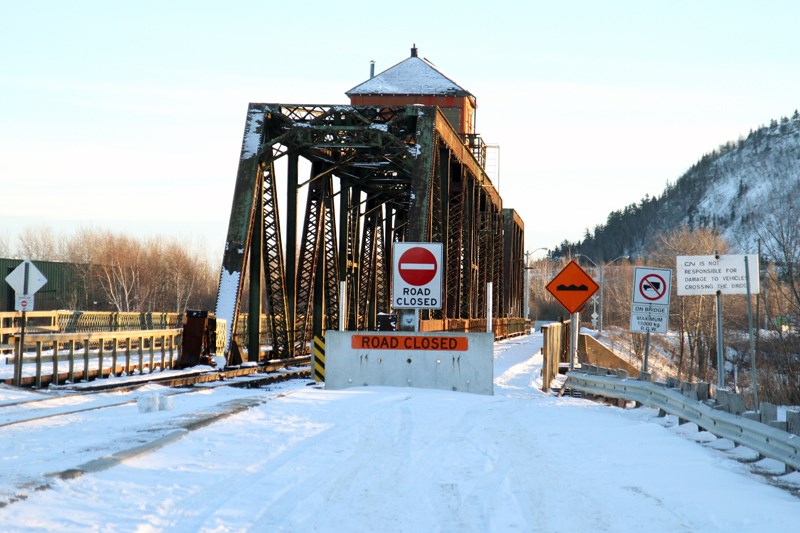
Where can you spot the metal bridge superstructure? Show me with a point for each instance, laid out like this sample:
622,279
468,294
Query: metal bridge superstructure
375,175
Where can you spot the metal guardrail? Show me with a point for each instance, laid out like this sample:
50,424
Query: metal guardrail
764,439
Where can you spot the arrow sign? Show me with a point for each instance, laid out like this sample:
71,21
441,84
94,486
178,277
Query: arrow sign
26,278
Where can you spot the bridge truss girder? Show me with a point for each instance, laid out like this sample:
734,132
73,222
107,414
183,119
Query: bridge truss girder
399,174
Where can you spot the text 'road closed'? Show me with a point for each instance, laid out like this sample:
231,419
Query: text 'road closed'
407,342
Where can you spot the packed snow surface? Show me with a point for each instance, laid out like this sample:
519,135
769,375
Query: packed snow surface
297,457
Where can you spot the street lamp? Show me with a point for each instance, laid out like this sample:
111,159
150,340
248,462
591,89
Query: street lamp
527,281
601,269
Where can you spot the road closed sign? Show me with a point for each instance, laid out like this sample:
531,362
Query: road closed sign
417,275
650,300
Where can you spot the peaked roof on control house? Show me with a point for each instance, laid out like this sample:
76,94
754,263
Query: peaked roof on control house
414,75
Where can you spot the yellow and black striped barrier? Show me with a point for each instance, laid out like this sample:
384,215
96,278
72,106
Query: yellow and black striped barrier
319,358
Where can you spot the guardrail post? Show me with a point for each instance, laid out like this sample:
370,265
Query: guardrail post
55,363
114,346
72,361
171,351
152,353
128,356
141,355
38,377
86,360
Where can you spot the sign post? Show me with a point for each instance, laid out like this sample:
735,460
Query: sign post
650,304
573,287
416,280
717,275
25,280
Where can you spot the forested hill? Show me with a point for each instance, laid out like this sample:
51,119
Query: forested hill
731,190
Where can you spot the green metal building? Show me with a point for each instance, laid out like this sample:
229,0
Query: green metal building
63,290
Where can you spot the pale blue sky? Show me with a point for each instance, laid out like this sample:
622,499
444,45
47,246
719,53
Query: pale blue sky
128,115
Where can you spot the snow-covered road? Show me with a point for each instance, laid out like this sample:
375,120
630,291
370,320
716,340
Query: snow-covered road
299,458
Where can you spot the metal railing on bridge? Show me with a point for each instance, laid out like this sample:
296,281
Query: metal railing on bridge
64,346
690,402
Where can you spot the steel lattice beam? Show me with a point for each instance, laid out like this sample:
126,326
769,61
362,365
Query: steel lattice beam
400,174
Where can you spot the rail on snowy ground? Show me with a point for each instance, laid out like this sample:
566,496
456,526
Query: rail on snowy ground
691,403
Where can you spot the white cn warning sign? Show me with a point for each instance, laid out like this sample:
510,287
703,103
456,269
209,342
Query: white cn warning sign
417,275
650,300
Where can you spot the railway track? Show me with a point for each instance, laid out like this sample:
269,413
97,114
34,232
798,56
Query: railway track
72,399
30,426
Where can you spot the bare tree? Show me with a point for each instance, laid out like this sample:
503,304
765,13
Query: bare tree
40,243
694,316
779,232
543,305
5,248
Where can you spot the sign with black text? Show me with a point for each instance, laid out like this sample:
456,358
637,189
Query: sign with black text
707,274
650,300
417,275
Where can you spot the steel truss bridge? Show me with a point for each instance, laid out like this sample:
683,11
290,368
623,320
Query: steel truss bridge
375,176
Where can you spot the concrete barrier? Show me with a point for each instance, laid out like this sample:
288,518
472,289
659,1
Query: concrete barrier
448,361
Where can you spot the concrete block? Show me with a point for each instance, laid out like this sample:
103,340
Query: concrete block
622,374
793,422
752,415
736,404
721,395
436,360
688,390
769,412
672,383
778,425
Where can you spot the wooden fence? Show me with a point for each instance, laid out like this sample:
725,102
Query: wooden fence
99,354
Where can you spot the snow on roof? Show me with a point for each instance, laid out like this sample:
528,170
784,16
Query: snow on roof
414,75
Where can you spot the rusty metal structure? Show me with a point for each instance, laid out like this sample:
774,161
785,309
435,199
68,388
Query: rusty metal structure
370,175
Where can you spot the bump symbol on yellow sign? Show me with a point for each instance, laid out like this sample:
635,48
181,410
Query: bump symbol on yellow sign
572,287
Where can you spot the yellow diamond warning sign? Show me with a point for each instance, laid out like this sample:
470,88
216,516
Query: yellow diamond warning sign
572,287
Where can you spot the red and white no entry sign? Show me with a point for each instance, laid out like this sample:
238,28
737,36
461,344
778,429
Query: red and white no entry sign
417,266
417,275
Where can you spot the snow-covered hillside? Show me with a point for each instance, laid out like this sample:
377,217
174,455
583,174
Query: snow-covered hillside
748,180
739,190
